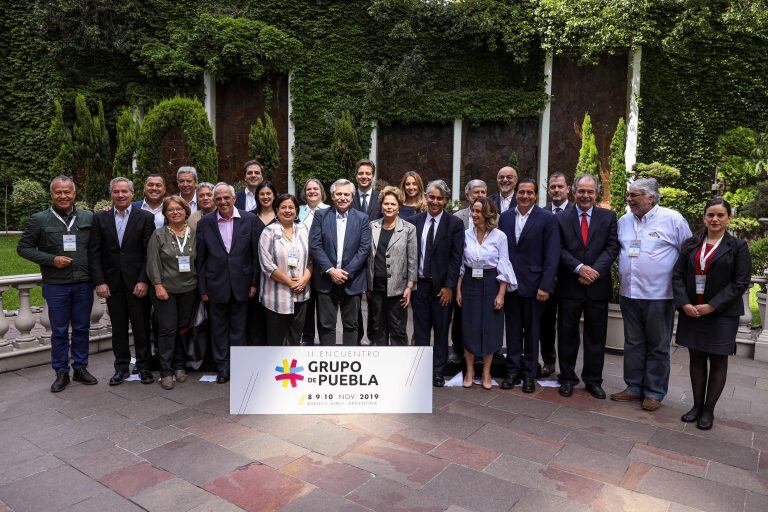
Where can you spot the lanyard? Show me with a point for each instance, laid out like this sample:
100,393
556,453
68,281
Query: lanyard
181,244
68,226
704,255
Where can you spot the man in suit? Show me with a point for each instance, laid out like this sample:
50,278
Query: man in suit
534,250
254,174
557,192
186,183
154,193
339,242
440,238
117,256
506,179
366,199
589,245
227,272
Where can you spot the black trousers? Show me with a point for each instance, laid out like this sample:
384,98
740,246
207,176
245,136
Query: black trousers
228,320
328,306
457,336
429,316
547,330
595,328
174,316
388,320
124,308
310,315
255,331
285,329
523,319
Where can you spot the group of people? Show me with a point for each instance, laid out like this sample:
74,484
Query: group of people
264,269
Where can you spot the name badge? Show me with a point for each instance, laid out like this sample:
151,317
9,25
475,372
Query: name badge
184,265
477,273
634,248
70,243
293,260
701,281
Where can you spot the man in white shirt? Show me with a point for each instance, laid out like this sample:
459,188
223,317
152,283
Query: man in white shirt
186,181
650,238
154,193
254,175
506,179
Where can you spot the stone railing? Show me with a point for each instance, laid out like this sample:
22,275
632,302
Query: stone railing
25,336
761,339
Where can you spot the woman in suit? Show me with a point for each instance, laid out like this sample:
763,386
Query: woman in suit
485,276
414,202
709,279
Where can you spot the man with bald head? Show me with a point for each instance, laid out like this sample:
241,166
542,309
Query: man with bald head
506,179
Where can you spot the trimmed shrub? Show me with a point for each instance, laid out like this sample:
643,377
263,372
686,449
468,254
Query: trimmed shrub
759,251
664,174
588,163
91,141
60,147
128,130
28,197
345,144
619,169
263,145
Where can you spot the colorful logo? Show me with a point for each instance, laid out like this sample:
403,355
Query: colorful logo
290,373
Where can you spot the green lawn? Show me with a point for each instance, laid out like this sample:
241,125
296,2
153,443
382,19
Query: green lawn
11,264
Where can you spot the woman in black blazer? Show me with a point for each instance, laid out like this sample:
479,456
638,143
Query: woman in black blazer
710,277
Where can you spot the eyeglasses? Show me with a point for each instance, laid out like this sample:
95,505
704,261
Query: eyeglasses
174,210
506,178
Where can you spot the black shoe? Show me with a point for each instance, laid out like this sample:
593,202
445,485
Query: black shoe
81,375
456,358
693,415
134,371
706,420
566,389
146,377
222,378
547,369
510,380
119,377
438,381
62,379
596,390
529,385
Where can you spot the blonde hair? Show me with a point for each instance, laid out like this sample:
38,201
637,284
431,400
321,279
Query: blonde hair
421,202
488,210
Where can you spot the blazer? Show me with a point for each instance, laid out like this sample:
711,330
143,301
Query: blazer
536,255
496,198
402,257
374,208
600,252
113,264
323,246
728,277
240,200
448,249
222,275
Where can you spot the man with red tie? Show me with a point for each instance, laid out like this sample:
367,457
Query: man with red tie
589,245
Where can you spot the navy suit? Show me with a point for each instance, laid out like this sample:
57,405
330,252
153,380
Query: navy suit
374,208
534,258
323,244
226,278
445,262
496,198
240,200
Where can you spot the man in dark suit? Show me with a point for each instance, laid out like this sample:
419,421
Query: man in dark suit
227,272
366,198
440,236
154,193
117,256
534,249
254,174
339,242
506,180
590,244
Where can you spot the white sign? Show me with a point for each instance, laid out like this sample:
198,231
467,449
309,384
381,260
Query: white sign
330,380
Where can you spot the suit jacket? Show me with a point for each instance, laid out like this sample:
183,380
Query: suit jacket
222,275
728,277
496,198
448,249
600,252
550,207
113,264
536,255
401,256
323,246
374,208
240,200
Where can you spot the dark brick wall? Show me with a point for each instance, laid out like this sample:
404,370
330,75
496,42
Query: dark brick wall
423,147
175,153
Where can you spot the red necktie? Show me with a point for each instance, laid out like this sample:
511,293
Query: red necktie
584,228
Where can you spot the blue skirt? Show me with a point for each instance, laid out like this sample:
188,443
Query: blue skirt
482,326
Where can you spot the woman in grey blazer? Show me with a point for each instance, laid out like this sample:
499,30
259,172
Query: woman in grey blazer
392,265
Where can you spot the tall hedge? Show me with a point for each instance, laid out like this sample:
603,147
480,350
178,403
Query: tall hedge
91,141
589,162
619,168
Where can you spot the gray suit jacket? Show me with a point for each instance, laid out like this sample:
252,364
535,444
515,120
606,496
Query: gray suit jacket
464,216
402,254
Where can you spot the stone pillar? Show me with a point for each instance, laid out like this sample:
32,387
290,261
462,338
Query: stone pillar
374,143
633,109
291,138
25,321
210,100
761,343
5,345
456,167
97,311
45,321
544,132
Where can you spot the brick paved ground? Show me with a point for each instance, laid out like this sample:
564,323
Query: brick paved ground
135,447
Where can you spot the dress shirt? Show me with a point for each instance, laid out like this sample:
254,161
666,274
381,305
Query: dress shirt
341,231
661,233
274,249
226,227
121,220
367,194
589,221
307,215
157,212
520,221
423,241
504,202
562,206
192,204
492,254
250,200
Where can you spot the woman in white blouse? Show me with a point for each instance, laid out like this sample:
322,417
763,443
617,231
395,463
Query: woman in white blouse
486,275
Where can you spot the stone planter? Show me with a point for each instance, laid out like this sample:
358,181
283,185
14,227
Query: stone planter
761,297
614,340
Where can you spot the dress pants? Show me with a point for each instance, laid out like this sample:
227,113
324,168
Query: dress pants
285,329
523,320
228,320
310,315
69,304
595,328
457,336
428,317
388,318
174,316
125,307
547,330
328,306
255,331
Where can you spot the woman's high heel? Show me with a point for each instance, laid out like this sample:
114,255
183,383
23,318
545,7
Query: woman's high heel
469,378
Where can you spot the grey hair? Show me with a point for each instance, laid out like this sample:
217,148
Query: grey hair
316,182
441,186
649,187
120,179
592,177
222,184
474,184
341,183
63,179
205,184
186,169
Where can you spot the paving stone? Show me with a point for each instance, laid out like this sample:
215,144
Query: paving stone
76,432
465,454
133,479
534,501
52,489
174,494
15,450
601,424
327,473
37,400
761,384
257,487
442,422
751,394
320,500
521,405
590,463
216,505
373,425
722,432
614,445
580,400
106,501
669,460
738,477
474,394
473,489
88,406
540,428
218,406
384,495
328,439
178,417
721,451
667,416
149,409
27,468
480,412
139,439
756,503
34,421
418,439
223,432
103,462
515,442
176,456
692,491
282,426
676,507
270,450
613,498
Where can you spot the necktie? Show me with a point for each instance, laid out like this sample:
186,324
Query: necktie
428,251
558,209
364,202
584,228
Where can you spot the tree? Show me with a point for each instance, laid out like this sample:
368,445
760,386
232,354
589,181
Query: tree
128,129
263,145
91,141
589,163
346,147
619,169
60,147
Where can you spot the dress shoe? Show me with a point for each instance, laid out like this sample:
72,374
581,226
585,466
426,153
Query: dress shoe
456,358
691,416
487,382
222,378
596,391
181,376
469,378
438,381
547,369
166,382
119,377
529,385
625,396
566,389
62,379
83,376
146,377
706,420
650,404
510,380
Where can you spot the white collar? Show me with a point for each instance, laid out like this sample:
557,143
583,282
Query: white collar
235,215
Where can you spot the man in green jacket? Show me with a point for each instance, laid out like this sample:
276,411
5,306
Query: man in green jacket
57,240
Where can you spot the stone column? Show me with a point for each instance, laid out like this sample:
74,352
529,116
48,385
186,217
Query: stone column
45,321
456,168
5,345
544,132
633,108
25,321
761,343
291,138
97,311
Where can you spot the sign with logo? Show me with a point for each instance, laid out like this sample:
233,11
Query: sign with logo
330,380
